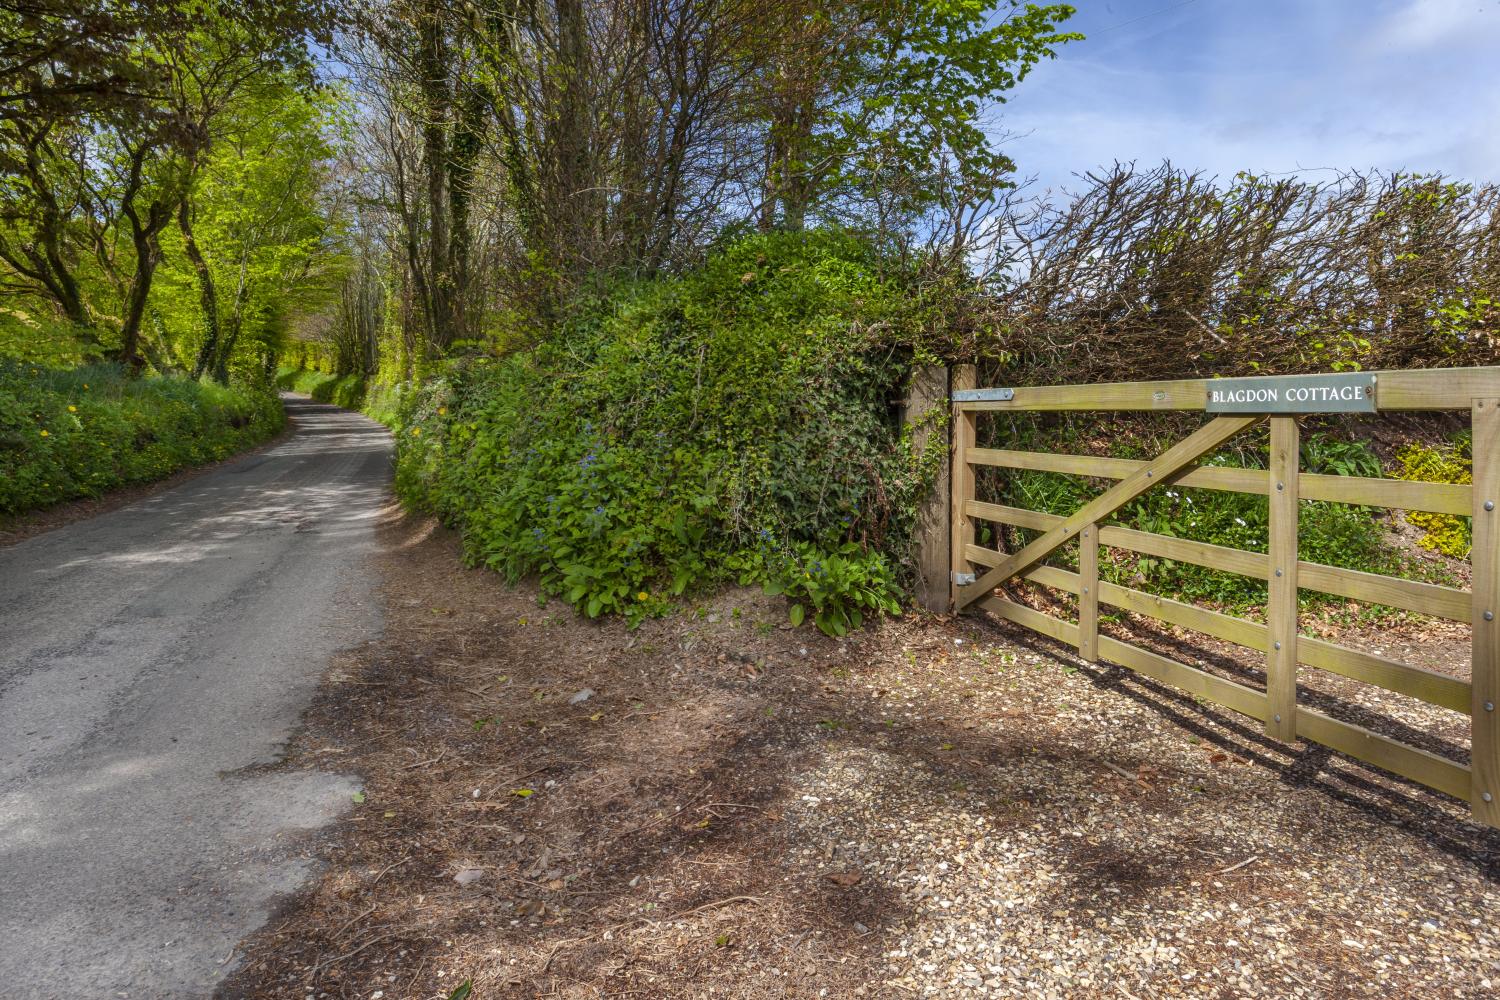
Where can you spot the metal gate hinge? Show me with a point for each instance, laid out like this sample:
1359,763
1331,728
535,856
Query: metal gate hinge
964,579
983,395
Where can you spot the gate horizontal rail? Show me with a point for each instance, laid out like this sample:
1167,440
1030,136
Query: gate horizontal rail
1476,390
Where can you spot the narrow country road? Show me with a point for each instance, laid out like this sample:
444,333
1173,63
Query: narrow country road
150,658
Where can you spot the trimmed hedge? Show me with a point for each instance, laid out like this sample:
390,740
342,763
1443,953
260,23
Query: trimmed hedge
80,432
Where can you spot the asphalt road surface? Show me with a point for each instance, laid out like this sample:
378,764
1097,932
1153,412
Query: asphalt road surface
151,660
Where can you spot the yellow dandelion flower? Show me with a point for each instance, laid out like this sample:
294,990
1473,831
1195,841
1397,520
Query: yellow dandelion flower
642,596
442,411
72,409
416,432
44,433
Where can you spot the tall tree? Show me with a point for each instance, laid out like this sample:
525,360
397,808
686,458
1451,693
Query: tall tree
261,227
101,134
625,135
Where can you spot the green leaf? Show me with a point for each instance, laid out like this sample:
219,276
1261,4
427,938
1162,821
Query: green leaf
462,990
358,797
798,612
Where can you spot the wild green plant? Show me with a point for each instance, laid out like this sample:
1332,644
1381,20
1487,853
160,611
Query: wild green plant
81,431
1450,462
1329,533
734,422
1331,456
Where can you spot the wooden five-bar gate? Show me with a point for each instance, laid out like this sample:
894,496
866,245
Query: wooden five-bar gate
1240,404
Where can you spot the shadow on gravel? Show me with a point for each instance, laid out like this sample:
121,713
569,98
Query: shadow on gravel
728,808
1390,799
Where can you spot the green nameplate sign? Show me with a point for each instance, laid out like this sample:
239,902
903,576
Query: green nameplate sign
1346,393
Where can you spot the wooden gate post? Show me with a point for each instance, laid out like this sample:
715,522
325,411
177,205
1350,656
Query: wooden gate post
1281,611
1088,593
929,391
1484,563
965,433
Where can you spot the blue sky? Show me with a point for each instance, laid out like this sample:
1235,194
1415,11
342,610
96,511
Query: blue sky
1273,86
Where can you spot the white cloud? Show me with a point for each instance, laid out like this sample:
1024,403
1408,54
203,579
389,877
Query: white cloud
1273,86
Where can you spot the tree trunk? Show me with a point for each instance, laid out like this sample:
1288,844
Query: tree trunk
468,142
147,254
143,237
208,296
796,179
437,113
236,324
570,201
158,349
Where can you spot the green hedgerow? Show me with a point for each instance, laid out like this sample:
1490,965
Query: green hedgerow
353,392
1332,534
78,432
731,423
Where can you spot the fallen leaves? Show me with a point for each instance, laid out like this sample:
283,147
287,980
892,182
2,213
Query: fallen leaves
844,880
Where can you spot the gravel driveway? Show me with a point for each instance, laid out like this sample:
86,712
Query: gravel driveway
718,806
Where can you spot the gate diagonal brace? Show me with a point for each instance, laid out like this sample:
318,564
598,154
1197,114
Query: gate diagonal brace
1201,442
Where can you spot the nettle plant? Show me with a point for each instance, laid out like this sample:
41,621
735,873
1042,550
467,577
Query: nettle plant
733,424
838,585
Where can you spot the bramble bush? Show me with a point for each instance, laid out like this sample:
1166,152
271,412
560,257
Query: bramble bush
78,432
733,423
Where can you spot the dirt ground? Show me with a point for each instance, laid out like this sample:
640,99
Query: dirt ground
716,805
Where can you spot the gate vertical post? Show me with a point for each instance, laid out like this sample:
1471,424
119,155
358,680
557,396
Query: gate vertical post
1281,611
1088,593
1485,563
965,433
928,395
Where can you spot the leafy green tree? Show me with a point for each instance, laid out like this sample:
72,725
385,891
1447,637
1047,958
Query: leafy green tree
255,228
100,139
885,101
